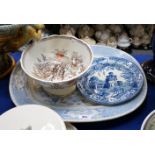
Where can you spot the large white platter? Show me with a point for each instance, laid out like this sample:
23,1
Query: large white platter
74,108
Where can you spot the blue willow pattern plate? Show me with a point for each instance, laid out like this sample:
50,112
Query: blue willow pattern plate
75,108
111,81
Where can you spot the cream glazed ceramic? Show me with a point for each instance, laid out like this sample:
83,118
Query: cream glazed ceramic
67,30
124,41
89,40
112,42
102,36
58,45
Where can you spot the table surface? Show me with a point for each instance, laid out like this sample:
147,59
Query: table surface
131,121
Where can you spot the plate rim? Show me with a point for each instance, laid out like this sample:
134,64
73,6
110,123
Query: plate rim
101,119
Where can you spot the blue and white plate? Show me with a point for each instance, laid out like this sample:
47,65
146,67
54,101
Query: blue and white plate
111,81
74,108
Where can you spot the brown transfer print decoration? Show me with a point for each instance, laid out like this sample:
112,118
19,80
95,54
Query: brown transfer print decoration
58,66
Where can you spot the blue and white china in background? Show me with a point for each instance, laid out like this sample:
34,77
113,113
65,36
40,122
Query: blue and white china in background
149,122
111,81
74,108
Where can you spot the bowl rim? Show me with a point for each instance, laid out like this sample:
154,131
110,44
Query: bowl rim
58,118
57,36
147,119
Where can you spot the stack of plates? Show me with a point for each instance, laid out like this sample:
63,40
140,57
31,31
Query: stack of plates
114,86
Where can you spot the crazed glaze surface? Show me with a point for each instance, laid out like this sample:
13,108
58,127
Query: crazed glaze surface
62,46
58,65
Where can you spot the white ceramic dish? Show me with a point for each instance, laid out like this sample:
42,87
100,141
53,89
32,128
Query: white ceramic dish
69,126
124,41
74,108
149,122
31,117
55,62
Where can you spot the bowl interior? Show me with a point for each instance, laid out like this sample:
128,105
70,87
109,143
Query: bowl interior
54,45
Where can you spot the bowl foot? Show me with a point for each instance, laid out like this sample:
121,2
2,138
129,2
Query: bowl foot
60,92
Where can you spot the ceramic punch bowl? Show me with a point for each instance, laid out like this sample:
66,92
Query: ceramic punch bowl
36,62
